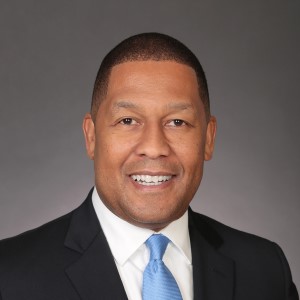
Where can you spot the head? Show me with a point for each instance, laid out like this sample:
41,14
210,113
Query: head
149,130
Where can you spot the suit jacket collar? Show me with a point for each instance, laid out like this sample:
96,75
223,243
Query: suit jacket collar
213,273
94,274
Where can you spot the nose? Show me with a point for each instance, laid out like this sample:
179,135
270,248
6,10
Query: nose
153,142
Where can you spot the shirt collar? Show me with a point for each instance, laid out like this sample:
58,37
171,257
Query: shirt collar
124,238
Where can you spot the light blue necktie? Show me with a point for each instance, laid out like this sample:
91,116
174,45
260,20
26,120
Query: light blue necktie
158,282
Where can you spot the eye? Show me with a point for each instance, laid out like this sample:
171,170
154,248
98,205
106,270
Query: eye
128,121
176,123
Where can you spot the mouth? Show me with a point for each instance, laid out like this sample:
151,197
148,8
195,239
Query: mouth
150,180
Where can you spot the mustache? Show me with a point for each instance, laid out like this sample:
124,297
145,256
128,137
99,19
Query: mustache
157,165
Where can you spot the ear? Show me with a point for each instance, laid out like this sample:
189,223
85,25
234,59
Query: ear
89,135
210,138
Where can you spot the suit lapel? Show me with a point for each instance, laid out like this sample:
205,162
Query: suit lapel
213,273
94,275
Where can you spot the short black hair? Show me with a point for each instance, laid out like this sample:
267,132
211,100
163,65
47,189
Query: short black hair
148,46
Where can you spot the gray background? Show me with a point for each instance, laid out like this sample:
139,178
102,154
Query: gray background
49,55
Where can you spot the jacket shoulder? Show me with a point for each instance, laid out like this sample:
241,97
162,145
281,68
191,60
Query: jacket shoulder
221,235
31,241
249,251
35,256
256,259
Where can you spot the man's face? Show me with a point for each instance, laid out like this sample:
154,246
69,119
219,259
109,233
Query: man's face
149,142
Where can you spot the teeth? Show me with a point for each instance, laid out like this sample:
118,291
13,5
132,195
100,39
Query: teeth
150,180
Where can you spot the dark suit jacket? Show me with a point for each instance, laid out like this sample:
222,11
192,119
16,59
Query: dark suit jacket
69,259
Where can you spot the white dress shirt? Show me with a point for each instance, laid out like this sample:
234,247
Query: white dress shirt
131,255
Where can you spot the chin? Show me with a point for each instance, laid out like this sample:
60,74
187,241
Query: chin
155,220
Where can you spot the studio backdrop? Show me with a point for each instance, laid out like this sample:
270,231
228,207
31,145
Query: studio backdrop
250,50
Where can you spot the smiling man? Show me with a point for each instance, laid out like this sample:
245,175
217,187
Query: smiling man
149,132
149,140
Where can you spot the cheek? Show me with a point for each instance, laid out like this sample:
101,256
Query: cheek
107,166
189,153
111,153
191,158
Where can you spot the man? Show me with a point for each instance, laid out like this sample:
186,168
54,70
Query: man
149,132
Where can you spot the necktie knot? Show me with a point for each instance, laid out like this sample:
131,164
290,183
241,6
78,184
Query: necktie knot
157,244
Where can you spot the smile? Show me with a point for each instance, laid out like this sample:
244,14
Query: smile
150,180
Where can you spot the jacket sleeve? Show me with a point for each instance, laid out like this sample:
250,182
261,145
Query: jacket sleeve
290,288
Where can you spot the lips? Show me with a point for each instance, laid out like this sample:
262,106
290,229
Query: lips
149,180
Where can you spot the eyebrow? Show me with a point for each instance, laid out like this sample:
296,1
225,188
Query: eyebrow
124,104
178,106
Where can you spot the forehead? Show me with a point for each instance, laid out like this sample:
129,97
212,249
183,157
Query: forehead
153,78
